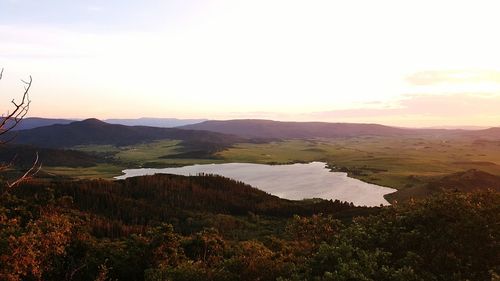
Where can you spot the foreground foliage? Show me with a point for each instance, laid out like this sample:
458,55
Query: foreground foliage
210,228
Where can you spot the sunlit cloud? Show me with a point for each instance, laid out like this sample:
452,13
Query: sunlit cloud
424,110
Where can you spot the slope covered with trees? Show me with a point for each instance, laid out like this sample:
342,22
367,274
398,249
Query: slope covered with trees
211,228
22,156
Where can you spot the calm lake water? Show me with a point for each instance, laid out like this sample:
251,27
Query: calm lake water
296,181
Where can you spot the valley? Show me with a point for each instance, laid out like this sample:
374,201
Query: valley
408,161
249,140
279,213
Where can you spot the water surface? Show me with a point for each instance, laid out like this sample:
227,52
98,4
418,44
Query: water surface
296,181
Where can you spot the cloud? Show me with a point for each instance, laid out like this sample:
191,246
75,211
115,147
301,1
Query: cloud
425,78
464,105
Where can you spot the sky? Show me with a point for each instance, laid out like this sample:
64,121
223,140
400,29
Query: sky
403,63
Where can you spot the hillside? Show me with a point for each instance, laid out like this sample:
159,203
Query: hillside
303,130
23,156
214,229
163,197
93,131
466,181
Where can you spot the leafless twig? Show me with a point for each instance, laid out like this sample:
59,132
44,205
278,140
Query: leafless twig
35,168
13,118
9,122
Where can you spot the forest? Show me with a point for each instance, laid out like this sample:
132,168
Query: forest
167,227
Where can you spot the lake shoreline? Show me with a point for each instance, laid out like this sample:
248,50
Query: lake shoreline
296,181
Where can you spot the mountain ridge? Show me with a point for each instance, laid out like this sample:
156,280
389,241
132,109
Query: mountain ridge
261,128
35,122
95,131
280,129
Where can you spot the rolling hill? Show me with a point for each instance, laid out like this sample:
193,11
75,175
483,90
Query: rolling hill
466,181
93,131
299,130
35,122
256,128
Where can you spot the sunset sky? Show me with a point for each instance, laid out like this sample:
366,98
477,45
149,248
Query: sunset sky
407,63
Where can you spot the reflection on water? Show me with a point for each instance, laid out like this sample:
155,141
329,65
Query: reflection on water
296,181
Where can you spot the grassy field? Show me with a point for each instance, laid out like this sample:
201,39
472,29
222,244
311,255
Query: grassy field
146,155
106,171
139,154
398,162
395,162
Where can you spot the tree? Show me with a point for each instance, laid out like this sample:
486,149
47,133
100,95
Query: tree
8,122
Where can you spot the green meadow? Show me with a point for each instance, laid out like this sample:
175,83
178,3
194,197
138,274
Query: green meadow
388,161
397,162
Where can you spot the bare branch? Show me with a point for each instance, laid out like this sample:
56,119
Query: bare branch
28,175
12,119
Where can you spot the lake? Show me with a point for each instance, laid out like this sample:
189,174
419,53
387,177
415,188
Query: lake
295,181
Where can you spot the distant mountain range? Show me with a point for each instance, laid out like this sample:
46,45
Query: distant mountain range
35,122
277,129
302,130
252,128
56,133
93,131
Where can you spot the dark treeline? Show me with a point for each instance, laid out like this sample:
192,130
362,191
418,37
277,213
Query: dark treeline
22,156
211,228
149,199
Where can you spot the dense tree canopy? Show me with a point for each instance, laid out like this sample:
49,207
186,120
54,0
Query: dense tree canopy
170,228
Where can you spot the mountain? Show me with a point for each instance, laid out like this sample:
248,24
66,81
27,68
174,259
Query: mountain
34,122
155,122
93,131
256,128
277,129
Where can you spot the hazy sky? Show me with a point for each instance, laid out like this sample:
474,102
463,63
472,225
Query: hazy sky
410,63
